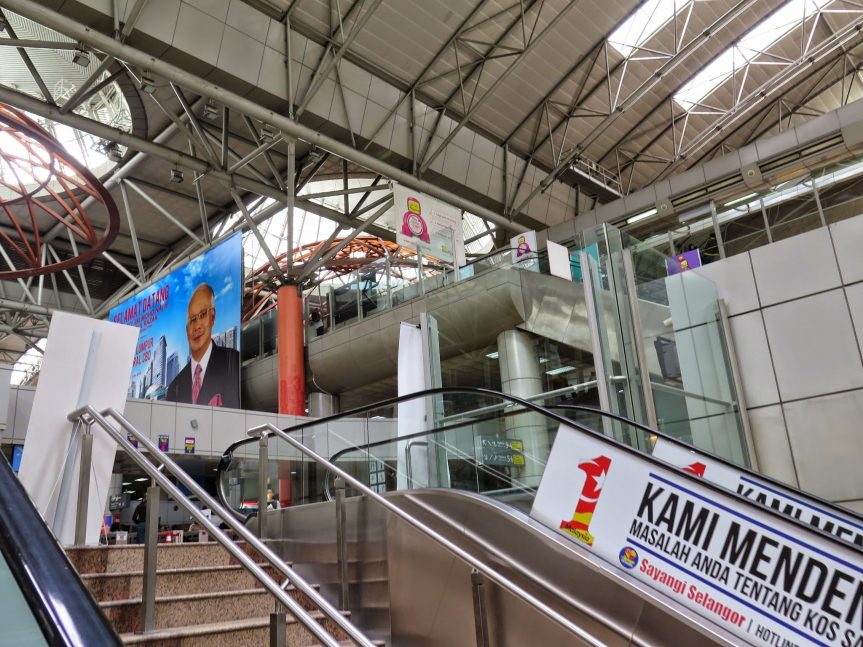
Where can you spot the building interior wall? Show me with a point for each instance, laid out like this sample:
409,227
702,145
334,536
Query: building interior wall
796,311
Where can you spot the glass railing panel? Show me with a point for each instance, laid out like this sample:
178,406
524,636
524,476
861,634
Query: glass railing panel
684,347
16,618
459,439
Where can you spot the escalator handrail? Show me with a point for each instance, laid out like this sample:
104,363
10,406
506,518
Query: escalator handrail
226,456
62,606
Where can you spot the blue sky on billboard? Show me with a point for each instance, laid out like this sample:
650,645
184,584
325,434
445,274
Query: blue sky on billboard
161,309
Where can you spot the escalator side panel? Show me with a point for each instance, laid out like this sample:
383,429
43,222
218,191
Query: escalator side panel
601,601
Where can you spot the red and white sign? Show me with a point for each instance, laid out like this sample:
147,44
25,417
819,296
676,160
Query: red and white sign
752,573
786,501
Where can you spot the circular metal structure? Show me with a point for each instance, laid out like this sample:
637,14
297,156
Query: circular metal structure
42,190
260,294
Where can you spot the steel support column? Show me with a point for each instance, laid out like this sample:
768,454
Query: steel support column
292,363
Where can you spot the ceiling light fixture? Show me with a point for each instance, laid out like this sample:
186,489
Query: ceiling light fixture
641,216
177,176
148,85
81,57
211,110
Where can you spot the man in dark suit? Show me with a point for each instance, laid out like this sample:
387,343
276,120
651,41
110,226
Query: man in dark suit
212,376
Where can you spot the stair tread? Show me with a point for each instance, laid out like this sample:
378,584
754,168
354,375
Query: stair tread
198,630
169,571
188,596
211,628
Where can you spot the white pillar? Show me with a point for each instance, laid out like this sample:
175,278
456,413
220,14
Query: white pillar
521,376
322,405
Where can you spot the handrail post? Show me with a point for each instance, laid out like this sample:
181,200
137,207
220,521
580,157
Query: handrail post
480,615
278,629
263,459
342,543
151,541
84,484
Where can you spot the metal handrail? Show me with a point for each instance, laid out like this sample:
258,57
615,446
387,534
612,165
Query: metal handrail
530,406
158,476
488,572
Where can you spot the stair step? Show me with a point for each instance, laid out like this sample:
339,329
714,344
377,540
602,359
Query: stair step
200,608
123,559
251,632
178,581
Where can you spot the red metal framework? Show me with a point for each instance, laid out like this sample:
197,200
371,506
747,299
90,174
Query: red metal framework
42,187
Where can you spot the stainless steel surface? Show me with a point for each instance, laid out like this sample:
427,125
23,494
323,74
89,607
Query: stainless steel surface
306,536
603,601
263,460
595,343
342,545
429,534
480,615
273,586
734,368
278,630
151,542
638,340
84,487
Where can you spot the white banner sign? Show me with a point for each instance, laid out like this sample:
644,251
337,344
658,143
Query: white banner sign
523,247
754,574
86,362
428,226
784,500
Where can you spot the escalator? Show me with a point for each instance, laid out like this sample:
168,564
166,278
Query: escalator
627,535
42,598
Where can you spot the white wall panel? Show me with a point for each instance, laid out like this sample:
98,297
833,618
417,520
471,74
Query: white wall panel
854,294
163,419
138,412
735,282
200,32
813,345
216,8
188,417
228,427
848,242
252,23
795,267
240,55
753,359
827,441
772,447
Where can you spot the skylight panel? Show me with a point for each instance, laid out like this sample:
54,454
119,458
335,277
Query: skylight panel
648,19
755,42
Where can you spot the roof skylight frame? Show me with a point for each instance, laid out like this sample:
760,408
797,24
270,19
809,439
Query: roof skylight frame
740,55
644,23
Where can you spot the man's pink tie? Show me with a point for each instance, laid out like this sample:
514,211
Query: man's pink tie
196,385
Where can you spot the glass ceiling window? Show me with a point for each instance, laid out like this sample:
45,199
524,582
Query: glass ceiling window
754,43
643,24
62,76
310,228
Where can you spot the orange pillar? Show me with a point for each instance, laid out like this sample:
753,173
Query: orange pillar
292,363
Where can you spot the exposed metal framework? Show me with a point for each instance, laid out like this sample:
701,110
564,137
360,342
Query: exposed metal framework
609,123
39,182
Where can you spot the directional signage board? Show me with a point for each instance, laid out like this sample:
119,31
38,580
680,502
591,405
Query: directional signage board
755,574
499,451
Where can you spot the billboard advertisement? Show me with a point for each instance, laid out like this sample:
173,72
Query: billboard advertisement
757,575
428,226
189,321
